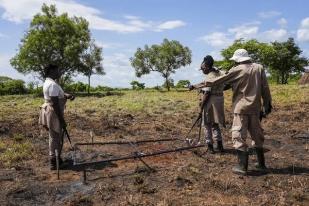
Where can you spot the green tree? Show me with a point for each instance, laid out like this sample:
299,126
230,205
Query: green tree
12,86
53,39
281,58
165,58
183,83
286,60
92,59
259,52
4,79
137,85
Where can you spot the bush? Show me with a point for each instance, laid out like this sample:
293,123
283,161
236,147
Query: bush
137,85
76,87
102,89
183,83
33,88
12,86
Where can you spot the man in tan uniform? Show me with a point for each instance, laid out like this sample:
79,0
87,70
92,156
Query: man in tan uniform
249,85
213,109
52,112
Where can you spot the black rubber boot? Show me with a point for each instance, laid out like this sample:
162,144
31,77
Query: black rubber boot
242,167
220,146
210,148
261,160
52,163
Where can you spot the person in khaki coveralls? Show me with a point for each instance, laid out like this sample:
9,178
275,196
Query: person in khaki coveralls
249,85
213,111
52,112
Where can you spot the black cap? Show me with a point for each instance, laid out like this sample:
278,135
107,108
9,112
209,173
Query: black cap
208,60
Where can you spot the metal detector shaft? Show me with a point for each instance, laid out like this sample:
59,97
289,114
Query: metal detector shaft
125,142
88,164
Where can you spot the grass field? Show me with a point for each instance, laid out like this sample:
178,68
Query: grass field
181,179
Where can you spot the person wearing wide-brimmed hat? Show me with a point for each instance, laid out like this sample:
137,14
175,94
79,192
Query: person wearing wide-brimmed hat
249,85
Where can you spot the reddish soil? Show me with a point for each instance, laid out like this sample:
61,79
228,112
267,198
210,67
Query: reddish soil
182,178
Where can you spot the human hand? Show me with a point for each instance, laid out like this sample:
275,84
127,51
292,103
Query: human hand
70,97
191,87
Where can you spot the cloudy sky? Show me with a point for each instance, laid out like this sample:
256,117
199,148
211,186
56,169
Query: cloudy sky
121,26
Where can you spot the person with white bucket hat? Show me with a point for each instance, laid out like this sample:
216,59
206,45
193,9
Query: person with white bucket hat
249,85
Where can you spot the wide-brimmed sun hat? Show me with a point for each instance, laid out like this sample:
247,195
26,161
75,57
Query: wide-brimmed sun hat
240,55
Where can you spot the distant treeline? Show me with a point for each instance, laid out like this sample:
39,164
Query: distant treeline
9,86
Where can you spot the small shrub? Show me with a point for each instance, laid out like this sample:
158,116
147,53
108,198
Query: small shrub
14,153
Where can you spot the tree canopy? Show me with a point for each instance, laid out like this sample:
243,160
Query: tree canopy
183,83
53,39
280,58
259,52
136,85
286,60
165,58
92,59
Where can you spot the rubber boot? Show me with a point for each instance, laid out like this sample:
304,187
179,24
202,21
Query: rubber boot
52,163
242,167
210,148
261,160
220,146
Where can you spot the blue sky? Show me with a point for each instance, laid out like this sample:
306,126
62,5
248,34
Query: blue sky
120,26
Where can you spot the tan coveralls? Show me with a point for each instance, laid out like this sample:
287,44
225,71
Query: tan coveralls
249,85
214,110
49,119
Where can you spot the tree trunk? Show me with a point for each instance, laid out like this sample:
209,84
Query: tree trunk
89,84
167,83
284,77
278,79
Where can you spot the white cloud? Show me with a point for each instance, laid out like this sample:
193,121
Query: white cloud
216,55
7,70
268,14
245,31
109,45
223,39
3,35
4,61
306,53
216,39
282,22
274,35
21,10
170,25
303,31
118,70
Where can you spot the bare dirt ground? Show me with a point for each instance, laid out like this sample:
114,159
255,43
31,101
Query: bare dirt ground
182,178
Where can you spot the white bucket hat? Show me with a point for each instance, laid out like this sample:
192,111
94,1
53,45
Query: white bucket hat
240,55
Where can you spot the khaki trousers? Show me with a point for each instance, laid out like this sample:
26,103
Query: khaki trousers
242,124
55,143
